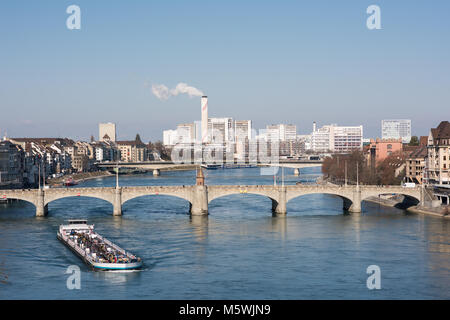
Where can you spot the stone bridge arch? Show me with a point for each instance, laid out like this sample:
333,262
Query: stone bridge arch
411,193
219,192
346,194
187,193
273,193
23,195
96,193
367,192
181,192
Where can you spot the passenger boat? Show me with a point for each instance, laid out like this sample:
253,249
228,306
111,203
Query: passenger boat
239,166
95,250
212,166
70,182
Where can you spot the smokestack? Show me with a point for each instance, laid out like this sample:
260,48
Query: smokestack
314,126
204,104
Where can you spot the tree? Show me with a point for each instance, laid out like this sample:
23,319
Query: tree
387,168
334,168
162,150
414,141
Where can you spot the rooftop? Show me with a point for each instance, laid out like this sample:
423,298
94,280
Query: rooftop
442,131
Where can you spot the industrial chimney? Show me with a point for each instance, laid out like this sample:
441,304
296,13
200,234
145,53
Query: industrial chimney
314,126
204,104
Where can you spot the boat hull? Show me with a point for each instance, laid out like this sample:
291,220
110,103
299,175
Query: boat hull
117,266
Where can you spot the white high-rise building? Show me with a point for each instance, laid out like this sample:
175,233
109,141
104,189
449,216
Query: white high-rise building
186,133
396,129
107,131
321,139
242,130
289,132
347,139
220,130
170,137
336,138
281,132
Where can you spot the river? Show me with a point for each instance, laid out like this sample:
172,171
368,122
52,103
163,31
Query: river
238,252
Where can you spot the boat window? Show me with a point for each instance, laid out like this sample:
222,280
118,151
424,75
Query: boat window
78,222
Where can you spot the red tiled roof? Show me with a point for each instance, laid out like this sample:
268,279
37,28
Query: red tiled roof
419,153
442,131
131,143
42,140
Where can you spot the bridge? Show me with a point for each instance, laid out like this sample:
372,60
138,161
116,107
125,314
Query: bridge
199,196
157,166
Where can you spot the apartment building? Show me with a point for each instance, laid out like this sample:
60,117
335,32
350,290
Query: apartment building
133,151
438,155
334,138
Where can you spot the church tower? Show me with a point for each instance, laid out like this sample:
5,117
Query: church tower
200,180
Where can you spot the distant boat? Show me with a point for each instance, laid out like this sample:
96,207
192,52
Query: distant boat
70,182
239,166
212,166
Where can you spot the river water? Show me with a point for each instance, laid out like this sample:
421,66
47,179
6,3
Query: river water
238,252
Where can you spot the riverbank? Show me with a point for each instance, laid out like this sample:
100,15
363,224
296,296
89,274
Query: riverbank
441,212
185,168
80,177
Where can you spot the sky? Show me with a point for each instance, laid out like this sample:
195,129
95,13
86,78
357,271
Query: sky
268,61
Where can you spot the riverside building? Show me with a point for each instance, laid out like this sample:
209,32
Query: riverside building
438,155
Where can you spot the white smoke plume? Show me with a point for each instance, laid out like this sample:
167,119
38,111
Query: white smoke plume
162,92
184,88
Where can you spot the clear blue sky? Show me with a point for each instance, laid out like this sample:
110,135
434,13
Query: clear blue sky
269,61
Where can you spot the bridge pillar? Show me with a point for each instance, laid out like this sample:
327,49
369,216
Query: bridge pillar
41,208
199,201
117,205
422,196
274,205
280,205
156,172
347,204
296,172
356,205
